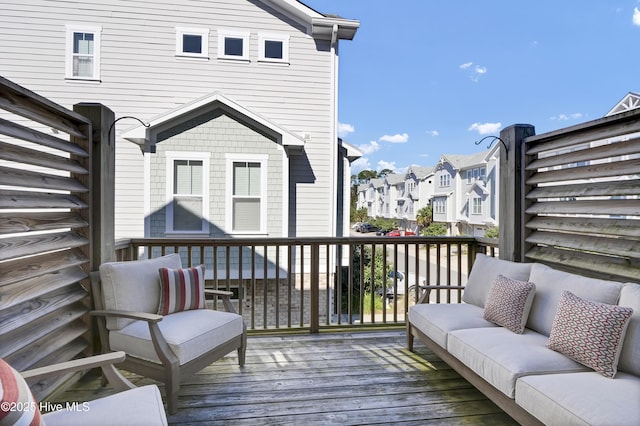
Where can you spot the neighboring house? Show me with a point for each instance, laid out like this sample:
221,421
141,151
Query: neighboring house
466,193
396,200
419,190
240,97
629,102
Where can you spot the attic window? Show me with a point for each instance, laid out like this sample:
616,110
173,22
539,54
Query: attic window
192,42
233,45
274,48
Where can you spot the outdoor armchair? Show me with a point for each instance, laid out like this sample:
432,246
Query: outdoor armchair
170,347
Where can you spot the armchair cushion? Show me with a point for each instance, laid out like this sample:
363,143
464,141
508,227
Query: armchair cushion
136,407
188,333
181,289
18,406
133,286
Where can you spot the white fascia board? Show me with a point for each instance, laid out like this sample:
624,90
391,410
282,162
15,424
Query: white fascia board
144,136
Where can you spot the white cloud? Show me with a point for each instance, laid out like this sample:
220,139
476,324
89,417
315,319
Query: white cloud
565,117
636,16
391,165
474,73
480,70
360,164
466,65
344,129
369,148
485,128
433,133
397,138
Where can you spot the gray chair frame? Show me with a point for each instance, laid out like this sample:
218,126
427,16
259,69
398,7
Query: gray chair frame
169,371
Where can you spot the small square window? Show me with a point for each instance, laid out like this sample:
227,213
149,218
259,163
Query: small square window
274,48
233,45
192,42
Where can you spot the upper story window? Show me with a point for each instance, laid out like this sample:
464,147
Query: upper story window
233,45
476,207
187,192
439,206
83,53
247,189
273,48
192,42
445,180
476,174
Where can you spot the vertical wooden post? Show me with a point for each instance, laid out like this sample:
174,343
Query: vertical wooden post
101,183
314,299
512,202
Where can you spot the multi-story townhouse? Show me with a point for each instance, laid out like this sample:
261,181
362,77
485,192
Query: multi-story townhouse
466,193
396,201
238,97
419,189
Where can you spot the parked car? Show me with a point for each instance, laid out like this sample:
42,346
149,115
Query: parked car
361,226
381,232
367,227
399,233
356,225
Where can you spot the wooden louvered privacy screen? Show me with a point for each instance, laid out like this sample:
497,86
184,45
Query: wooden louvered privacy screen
582,197
44,232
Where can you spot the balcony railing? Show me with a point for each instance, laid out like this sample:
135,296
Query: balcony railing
288,284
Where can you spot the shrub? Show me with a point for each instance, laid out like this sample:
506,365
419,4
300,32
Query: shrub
435,229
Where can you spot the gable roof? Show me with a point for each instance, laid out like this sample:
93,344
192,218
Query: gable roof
629,102
460,162
420,172
321,25
146,136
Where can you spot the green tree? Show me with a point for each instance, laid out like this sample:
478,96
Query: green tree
424,217
360,215
492,232
435,229
366,175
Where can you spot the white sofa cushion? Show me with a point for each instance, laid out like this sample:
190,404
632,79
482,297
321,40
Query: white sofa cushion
136,407
484,272
500,356
581,398
550,283
589,332
437,320
630,355
133,286
188,333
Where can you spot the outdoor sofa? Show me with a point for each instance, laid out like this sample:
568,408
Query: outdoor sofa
542,321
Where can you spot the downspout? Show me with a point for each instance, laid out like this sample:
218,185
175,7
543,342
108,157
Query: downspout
334,134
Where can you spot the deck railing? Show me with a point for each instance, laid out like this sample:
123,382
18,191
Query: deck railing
288,284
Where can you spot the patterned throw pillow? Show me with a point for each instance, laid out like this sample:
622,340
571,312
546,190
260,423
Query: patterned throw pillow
17,405
590,333
508,303
181,289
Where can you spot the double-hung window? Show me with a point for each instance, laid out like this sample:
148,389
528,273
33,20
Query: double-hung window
233,45
187,187
192,42
246,209
273,48
476,207
83,53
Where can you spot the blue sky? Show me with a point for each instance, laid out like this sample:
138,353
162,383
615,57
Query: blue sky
424,78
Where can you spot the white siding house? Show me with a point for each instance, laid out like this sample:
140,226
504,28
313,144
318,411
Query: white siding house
240,97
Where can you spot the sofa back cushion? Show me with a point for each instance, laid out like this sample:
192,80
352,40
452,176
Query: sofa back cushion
550,283
133,286
483,274
630,355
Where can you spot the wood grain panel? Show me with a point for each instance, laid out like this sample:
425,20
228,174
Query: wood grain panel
11,152
19,131
14,247
25,290
27,222
24,178
39,200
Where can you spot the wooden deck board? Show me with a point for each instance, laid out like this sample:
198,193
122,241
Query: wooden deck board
340,379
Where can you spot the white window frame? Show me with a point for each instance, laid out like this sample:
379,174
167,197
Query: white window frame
476,205
70,31
445,180
202,32
246,158
171,157
224,34
469,176
283,38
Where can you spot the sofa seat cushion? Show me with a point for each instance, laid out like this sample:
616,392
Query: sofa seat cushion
500,356
581,398
188,333
550,283
136,407
437,320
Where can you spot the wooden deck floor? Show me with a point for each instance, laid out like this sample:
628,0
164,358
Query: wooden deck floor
341,379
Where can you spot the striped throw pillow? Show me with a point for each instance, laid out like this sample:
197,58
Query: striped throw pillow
181,289
17,405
